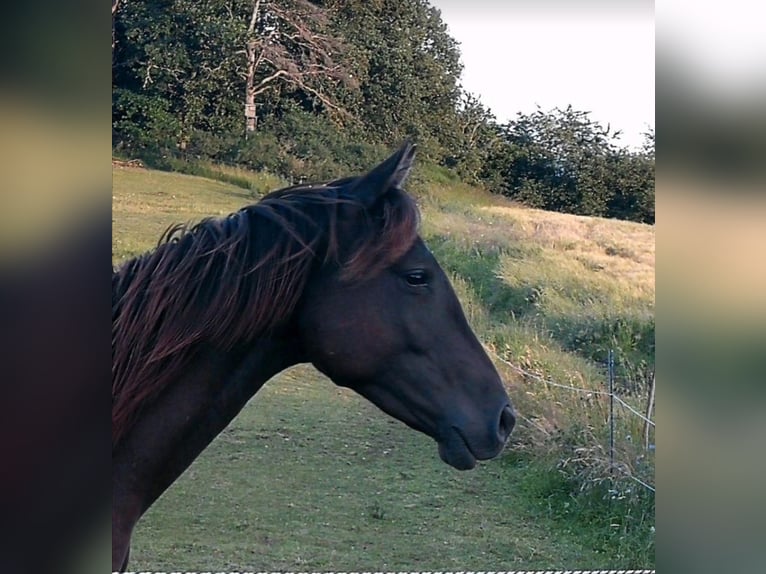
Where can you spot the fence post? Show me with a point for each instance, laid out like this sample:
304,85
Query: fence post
649,407
610,370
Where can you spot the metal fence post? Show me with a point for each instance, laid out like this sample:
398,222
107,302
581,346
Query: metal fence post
649,407
610,369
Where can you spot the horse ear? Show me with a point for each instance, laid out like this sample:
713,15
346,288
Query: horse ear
391,173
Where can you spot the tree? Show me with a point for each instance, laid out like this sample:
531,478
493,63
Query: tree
408,69
202,61
562,160
632,180
288,42
475,139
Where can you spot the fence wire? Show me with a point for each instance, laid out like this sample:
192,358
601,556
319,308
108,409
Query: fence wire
571,388
617,398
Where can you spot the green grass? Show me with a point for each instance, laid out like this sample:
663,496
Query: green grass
312,477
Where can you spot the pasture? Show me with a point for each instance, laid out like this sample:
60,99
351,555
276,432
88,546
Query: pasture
312,477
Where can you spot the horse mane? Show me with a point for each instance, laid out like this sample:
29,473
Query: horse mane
228,281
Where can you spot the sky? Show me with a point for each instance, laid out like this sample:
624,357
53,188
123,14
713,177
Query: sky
597,55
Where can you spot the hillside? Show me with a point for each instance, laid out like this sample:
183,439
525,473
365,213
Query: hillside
311,477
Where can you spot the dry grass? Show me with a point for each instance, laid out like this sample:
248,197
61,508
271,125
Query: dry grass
621,251
616,257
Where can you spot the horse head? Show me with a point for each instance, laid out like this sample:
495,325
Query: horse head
382,319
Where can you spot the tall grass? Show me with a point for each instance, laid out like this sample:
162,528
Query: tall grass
258,183
551,294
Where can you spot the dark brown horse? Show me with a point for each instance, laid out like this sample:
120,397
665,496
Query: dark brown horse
333,274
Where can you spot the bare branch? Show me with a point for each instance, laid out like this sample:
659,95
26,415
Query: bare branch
326,101
267,80
151,66
254,17
295,51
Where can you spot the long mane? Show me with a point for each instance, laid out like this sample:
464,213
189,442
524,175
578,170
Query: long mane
230,281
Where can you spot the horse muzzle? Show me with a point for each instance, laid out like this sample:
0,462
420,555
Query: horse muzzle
461,449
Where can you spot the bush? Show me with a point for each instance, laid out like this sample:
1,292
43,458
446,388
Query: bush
143,126
262,151
311,148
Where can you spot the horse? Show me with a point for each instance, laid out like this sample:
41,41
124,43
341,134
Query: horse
333,274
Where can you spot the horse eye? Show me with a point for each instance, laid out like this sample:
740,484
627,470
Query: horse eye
417,278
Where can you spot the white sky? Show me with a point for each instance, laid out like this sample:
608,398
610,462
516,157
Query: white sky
597,55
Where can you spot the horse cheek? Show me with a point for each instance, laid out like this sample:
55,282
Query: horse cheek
352,353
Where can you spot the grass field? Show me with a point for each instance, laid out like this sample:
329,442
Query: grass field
312,477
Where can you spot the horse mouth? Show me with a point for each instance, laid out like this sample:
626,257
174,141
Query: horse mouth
455,451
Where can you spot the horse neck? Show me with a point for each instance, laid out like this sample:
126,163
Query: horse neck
172,431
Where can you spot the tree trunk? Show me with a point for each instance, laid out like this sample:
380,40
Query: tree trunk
250,49
115,7
250,119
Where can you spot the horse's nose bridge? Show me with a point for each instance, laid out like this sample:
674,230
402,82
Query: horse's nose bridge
486,404
475,377
475,380
465,353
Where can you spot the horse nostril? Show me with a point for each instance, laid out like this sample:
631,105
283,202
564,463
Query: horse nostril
507,420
